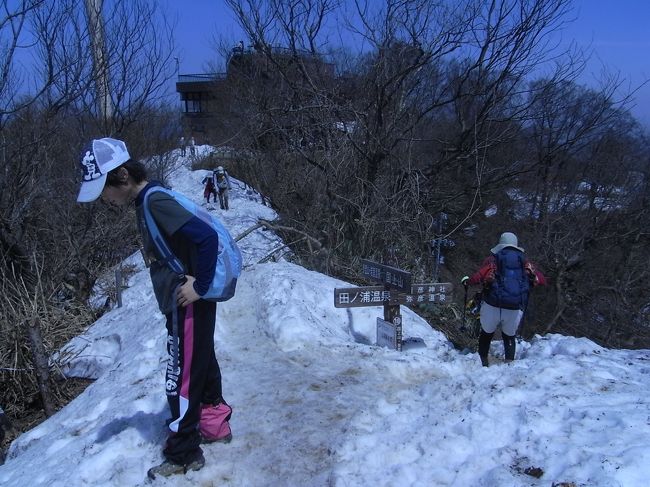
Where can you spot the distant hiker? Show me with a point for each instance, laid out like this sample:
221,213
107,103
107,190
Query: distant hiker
192,147
181,144
209,188
222,181
506,276
199,412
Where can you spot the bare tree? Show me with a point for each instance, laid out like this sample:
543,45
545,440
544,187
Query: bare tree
465,65
51,252
448,107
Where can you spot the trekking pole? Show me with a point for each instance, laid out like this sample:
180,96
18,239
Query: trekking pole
462,326
524,315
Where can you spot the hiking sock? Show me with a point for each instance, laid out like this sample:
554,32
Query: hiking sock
484,341
509,346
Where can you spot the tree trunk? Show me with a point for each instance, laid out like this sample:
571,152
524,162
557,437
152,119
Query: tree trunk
41,366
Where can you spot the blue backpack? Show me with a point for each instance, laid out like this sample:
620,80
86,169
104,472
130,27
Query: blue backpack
229,260
511,286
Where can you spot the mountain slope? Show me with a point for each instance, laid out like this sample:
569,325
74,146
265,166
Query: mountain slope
316,403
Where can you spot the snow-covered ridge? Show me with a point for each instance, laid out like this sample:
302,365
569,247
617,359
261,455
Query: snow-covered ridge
316,403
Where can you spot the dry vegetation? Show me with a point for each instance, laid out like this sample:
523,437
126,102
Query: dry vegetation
52,250
446,111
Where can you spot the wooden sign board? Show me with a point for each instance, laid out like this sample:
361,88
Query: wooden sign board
354,297
393,277
432,288
433,292
440,298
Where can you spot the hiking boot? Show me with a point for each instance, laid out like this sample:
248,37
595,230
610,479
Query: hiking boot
484,361
206,441
167,468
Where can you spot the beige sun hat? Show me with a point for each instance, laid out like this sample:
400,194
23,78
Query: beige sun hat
508,239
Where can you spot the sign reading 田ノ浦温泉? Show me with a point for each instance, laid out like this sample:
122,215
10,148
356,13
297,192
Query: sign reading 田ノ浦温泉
353,297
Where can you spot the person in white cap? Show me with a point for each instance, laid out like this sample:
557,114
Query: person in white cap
506,276
199,414
97,161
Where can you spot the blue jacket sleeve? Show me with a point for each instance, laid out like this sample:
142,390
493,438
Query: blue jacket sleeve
207,242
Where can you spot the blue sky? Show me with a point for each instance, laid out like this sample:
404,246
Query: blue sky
617,31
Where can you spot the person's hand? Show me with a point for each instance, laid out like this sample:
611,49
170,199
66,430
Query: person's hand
186,293
489,276
464,280
532,274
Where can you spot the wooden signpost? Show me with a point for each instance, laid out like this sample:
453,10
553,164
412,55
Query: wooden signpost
390,276
397,289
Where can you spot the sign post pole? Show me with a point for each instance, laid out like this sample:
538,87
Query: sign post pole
392,315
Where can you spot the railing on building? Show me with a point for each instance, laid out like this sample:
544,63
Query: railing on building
193,78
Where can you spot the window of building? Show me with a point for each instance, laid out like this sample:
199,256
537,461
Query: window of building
192,103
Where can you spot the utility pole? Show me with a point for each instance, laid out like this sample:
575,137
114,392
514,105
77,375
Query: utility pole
436,244
100,63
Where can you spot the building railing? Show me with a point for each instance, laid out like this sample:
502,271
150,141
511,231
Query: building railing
282,51
247,51
189,78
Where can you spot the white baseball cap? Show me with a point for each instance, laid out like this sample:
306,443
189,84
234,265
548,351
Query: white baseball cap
102,156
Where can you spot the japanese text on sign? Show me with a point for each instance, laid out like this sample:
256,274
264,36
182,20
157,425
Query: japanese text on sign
432,288
389,334
377,295
424,298
391,276
360,296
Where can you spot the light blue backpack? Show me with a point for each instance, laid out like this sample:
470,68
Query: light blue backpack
229,260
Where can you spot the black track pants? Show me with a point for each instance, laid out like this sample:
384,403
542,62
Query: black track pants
196,380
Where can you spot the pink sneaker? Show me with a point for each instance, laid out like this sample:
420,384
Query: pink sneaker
213,425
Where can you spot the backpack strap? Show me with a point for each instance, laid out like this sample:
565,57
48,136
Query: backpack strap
169,259
168,256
